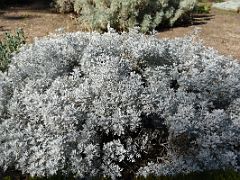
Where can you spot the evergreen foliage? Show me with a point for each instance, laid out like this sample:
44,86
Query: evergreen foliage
87,105
10,44
64,5
124,14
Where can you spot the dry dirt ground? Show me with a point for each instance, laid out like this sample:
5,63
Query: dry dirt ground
219,29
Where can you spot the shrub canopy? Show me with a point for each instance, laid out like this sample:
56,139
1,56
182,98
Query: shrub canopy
118,105
124,14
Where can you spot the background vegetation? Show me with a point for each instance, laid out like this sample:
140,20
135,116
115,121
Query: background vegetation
10,44
125,14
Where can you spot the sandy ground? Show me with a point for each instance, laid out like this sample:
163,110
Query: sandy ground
35,22
219,29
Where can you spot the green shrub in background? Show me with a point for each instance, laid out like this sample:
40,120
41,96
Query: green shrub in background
11,43
202,8
124,14
64,5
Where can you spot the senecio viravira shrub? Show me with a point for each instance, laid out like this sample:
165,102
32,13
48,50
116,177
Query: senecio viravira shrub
90,104
124,14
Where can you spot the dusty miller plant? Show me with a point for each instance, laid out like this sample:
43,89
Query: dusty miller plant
124,14
118,106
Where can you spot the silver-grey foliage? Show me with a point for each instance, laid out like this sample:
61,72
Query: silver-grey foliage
118,105
124,14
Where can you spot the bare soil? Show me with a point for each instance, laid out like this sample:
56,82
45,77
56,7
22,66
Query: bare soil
36,19
219,29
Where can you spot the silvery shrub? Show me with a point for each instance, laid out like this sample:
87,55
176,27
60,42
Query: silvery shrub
119,105
124,14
